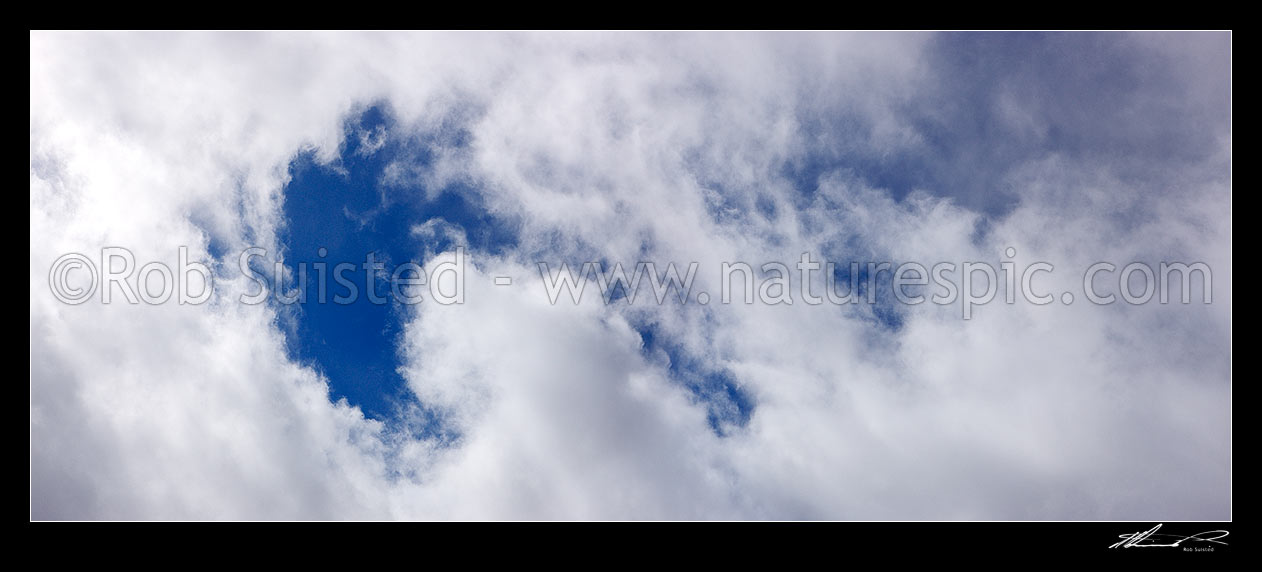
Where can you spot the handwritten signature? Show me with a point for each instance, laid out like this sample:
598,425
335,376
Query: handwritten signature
1151,539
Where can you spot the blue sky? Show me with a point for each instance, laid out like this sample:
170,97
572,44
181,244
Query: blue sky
347,210
705,148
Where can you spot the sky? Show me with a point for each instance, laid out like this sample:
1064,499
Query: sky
496,152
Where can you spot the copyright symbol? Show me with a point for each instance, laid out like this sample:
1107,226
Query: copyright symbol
60,286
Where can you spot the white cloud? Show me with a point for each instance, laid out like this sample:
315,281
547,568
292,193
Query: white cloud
601,144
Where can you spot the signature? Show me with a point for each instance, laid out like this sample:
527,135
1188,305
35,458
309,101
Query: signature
1151,539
